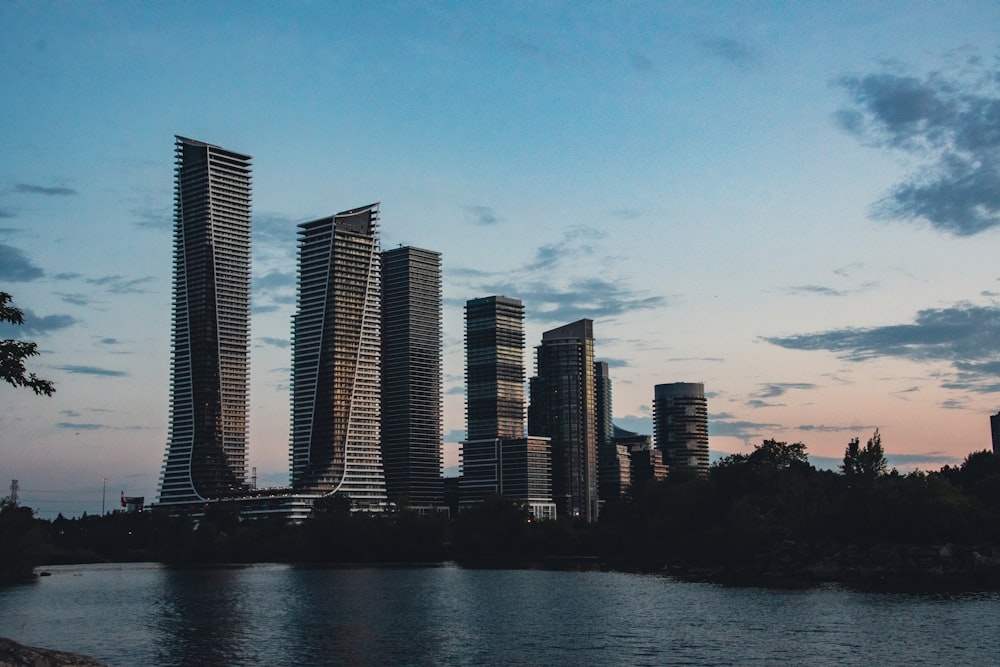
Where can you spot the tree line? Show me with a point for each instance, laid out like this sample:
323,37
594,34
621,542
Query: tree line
761,507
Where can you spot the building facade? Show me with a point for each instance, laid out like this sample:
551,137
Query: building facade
608,461
494,368
995,432
518,468
563,409
336,402
206,451
680,425
411,423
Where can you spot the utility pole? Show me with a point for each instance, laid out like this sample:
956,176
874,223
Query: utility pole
104,492
14,486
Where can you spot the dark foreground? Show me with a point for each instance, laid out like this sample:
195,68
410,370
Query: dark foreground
13,654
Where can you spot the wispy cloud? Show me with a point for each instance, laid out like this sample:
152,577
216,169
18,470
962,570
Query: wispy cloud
730,50
36,325
775,389
91,370
57,191
15,267
818,290
120,285
564,297
74,426
75,299
640,63
827,428
966,335
148,218
482,215
274,342
950,124
592,298
745,430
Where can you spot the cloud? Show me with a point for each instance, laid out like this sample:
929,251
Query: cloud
730,50
274,342
75,299
91,370
640,63
73,426
6,213
744,430
275,232
966,335
109,341
454,435
816,289
575,243
15,267
592,298
775,389
35,325
274,281
567,295
458,390
482,215
950,123
159,219
119,285
824,428
28,188
933,460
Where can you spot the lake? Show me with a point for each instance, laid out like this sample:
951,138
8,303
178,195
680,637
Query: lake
148,614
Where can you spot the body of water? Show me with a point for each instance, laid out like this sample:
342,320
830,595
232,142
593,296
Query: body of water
147,614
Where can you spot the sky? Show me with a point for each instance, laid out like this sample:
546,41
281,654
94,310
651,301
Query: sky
797,204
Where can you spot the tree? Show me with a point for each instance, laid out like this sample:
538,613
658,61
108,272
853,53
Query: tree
866,463
14,352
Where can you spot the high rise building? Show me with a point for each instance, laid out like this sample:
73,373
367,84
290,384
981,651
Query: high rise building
563,409
206,450
995,431
335,360
680,425
411,376
518,468
607,456
494,368
496,457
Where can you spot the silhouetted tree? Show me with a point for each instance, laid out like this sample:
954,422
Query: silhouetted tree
867,463
14,352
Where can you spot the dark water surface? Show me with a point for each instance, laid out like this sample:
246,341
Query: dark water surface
146,614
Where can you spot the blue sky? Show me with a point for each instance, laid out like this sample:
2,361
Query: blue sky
795,203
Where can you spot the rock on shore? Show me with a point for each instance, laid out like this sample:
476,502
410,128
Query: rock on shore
13,654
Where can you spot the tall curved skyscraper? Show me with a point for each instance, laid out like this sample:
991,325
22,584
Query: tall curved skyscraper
335,444
206,449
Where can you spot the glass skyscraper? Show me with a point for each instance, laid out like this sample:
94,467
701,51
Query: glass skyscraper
494,368
411,376
335,440
206,450
563,408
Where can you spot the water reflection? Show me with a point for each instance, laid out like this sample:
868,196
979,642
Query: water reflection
203,617
281,615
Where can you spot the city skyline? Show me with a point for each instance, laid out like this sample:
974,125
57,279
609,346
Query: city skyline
791,205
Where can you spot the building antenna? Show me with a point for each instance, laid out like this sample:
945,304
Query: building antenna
14,487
